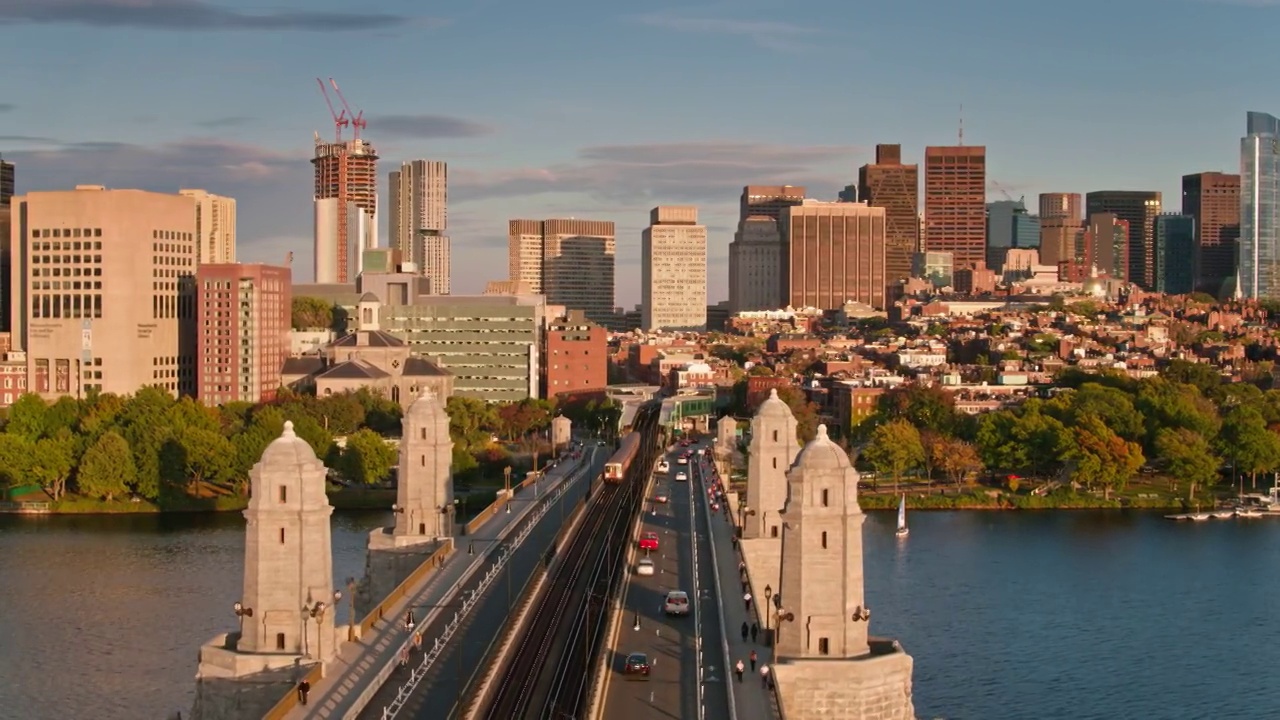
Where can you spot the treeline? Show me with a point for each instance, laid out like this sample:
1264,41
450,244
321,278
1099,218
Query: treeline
1097,431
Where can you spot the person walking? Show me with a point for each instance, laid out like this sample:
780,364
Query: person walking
755,630
746,598
746,630
754,657
304,688
739,668
417,641
404,656
764,676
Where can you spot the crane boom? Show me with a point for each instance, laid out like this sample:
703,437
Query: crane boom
339,118
357,119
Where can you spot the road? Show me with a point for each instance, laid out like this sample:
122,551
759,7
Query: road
461,662
687,677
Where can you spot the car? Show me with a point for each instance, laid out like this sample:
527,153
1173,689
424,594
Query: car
644,567
661,498
664,466
682,460
715,507
636,665
676,603
702,451
682,477
649,541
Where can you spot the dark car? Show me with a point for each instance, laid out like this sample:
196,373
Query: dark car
637,664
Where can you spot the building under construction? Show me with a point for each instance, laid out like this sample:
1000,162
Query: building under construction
346,196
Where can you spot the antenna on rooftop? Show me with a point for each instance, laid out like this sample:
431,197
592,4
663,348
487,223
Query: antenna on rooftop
961,124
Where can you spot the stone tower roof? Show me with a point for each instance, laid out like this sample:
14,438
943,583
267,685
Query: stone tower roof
823,454
288,450
427,411
775,407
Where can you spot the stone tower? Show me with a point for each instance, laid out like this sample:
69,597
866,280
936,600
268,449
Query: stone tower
826,664
424,494
288,554
773,449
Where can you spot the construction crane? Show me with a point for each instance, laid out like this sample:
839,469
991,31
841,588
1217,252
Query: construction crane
340,119
1006,194
357,119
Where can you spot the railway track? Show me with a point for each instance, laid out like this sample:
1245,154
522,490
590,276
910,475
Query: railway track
546,674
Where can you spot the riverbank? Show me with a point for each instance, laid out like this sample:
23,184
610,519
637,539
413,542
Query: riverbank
982,498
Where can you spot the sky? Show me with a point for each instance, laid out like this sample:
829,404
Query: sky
575,108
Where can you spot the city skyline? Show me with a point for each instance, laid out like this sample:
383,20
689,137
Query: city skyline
601,149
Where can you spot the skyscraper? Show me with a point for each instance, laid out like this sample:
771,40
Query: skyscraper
243,313
673,270
1107,246
215,226
1175,253
1061,227
955,203
1139,208
346,204
569,261
895,187
7,184
1259,269
1009,227
835,254
1213,199
418,219
768,200
7,290
757,253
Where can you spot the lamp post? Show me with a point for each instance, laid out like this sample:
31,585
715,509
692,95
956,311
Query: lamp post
316,612
351,601
241,612
768,602
506,476
446,526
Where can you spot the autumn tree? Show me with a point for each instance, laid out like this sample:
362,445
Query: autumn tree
1101,458
894,449
806,412
959,460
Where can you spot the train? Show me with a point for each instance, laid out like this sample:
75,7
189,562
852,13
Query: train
615,469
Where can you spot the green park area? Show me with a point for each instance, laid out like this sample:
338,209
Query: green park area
151,452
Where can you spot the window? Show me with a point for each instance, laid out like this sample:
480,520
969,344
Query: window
424,461
775,463
824,539
279,641
824,646
284,493
826,497
775,436
773,531
281,536
424,433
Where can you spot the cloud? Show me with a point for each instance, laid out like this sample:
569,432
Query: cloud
676,172
225,122
186,15
28,139
427,126
768,34
7,107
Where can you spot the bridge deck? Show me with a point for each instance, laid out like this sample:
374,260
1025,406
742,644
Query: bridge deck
359,664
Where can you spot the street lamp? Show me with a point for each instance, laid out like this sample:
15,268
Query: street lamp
768,602
446,527
351,599
506,475
316,612
241,612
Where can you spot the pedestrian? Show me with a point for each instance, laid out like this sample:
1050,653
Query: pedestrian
417,641
744,584
404,656
745,631
764,676
304,688
746,598
754,657
733,539
742,567
739,668
755,630
408,620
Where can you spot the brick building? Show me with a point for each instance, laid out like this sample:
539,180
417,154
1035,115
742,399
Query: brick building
576,356
243,319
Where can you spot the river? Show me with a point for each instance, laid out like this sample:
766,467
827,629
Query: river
1008,615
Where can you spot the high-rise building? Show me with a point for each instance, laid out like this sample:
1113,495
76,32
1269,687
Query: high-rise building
7,279
1259,269
107,298
835,254
243,313
1213,199
955,203
215,226
569,261
1009,227
673,270
1139,208
1175,253
1106,245
768,200
895,187
575,357
346,205
418,218
1061,227
755,266
7,182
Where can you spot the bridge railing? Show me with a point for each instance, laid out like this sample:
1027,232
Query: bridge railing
494,508
290,699
427,567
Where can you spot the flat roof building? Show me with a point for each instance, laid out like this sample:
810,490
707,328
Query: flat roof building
955,202
244,314
835,254
673,270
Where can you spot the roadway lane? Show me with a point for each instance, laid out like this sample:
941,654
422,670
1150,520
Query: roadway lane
671,643
437,695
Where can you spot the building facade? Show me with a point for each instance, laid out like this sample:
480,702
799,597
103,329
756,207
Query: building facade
215,226
1061,227
1009,226
1139,208
243,318
575,356
895,187
571,262
8,182
1259,265
936,267
768,200
1175,253
418,218
955,202
755,266
1107,245
835,254
673,270
1213,199
107,298
346,205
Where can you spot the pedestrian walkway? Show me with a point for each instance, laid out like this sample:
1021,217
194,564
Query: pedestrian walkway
346,684
751,698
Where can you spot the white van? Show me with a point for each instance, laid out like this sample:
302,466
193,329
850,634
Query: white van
664,466
677,603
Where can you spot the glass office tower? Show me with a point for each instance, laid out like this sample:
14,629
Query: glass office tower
1259,266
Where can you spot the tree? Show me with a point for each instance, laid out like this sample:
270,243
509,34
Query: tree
106,470
1165,404
471,421
1245,439
52,460
27,417
1188,456
935,452
367,459
311,313
928,407
1110,405
806,412
1101,458
894,449
959,460
16,455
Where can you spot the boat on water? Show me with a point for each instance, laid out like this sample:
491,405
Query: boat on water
1224,514
1248,512
1199,516
902,517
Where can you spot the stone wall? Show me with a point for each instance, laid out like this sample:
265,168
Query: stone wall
247,697
385,570
873,687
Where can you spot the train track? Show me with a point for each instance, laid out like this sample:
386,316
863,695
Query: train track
559,636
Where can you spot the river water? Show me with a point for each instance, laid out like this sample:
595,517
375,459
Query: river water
1008,615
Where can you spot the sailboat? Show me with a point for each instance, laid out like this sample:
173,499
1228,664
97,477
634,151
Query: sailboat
902,517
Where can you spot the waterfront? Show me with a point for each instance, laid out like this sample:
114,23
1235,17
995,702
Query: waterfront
1008,615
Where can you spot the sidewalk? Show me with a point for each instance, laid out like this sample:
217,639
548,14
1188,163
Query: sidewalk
358,664
751,700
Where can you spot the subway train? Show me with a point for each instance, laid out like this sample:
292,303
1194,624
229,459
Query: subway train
615,470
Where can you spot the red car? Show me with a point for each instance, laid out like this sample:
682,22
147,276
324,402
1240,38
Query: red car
649,541
637,664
